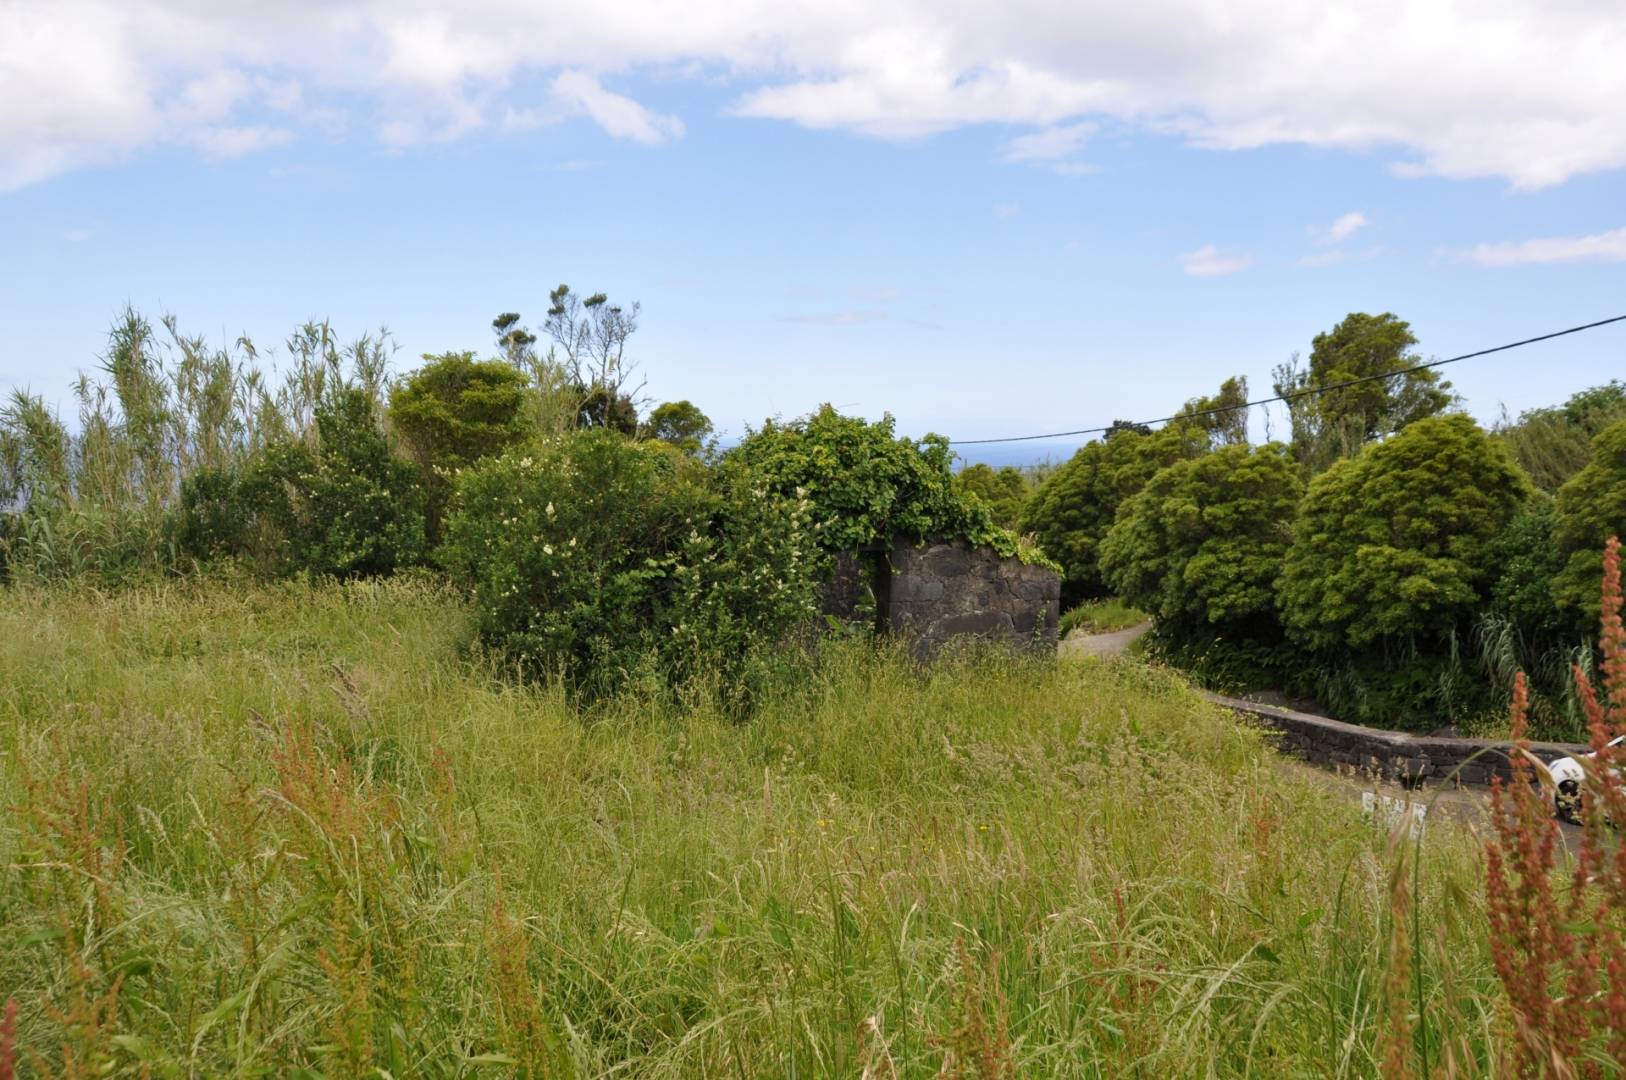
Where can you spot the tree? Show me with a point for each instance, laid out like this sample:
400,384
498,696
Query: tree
1201,545
591,334
454,411
1073,509
1337,423
516,342
1587,511
1229,425
1397,545
601,407
555,399
680,423
1555,443
1005,491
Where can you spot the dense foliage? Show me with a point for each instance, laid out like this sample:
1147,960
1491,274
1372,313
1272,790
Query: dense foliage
1590,508
600,560
680,423
1223,415
455,410
1201,545
1397,545
1006,491
344,506
866,484
1554,443
1338,422
1072,511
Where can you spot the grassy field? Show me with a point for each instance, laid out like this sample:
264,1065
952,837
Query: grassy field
301,831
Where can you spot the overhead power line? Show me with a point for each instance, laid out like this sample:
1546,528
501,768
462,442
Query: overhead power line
1309,392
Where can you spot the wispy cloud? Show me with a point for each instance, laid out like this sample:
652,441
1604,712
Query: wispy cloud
1598,247
1347,226
1210,261
1055,148
1006,210
620,116
76,236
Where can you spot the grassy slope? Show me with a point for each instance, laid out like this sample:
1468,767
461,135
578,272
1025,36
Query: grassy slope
345,846
1101,617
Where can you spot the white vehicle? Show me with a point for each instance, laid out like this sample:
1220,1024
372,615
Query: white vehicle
1567,776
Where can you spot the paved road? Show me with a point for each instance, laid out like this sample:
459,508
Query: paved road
1113,644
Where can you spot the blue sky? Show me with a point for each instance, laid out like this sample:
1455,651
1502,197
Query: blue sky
983,243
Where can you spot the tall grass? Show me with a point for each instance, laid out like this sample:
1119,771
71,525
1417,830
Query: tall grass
93,497
293,830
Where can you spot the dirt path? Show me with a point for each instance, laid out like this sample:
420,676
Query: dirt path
1113,644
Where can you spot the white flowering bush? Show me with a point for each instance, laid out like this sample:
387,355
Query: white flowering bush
596,558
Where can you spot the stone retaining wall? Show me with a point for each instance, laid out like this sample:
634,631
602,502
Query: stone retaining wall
943,591
1396,755
930,594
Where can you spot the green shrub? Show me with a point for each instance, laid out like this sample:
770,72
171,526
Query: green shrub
214,519
598,560
1397,545
345,508
866,485
1588,510
1527,561
1201,545
1072,511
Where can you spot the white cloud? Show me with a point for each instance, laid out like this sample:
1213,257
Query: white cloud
76,236
1006,210
1599,247
1054,147
619,116
1525,90
1347,226
1210,261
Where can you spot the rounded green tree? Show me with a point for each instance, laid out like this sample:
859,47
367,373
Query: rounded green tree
1398,544
454,411
866,484
1072,511
1201,545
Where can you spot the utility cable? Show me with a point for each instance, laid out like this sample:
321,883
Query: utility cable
1295,395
